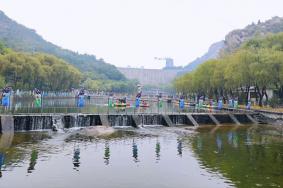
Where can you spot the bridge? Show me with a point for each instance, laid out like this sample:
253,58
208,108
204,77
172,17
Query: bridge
46,121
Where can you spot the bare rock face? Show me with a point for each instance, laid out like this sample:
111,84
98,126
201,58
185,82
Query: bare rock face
235,38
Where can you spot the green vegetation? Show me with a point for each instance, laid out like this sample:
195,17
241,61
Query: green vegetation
47,72
257,63
30,61
128,86
27,71
236,38
20,38
243,156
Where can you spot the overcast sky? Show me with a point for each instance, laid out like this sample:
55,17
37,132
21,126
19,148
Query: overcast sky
133,32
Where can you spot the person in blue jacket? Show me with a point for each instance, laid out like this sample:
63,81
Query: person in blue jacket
6,92
81,98
182,103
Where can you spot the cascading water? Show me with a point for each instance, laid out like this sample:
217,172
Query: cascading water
179,119
70,121
82,121
57,123
27,123
119,121
43,122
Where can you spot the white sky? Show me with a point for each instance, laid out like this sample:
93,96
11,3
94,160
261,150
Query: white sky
133,32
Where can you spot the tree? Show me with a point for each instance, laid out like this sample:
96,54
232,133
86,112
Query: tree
258,63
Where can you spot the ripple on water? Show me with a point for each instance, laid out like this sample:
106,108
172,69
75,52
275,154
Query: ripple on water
130,155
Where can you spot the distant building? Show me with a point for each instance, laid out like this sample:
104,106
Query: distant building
169,63
153,77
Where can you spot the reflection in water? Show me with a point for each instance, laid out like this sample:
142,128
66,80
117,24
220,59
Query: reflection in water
199,143
230,137
2,158
179,147
135,151
15,147
235,140
218,143
33,158
260,163
157,150
248,139
250,159
76,157
106,153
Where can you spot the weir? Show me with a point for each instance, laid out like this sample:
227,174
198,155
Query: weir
180,120
190,117
104,120
31,122
215,121
137,120
167,120
234,119
252,119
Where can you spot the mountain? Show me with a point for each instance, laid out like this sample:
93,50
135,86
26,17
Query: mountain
210,54
235,39
21,38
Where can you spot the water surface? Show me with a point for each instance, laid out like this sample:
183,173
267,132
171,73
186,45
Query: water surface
149,157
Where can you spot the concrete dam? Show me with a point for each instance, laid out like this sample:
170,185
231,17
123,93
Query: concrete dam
150,76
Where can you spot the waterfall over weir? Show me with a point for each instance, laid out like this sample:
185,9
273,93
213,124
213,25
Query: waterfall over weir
74,120
44,122
27,123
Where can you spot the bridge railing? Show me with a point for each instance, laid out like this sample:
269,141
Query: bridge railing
102,110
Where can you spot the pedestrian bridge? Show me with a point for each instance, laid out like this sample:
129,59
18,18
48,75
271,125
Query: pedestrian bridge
45,121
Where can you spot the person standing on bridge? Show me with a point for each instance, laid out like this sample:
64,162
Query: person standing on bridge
38,98
138,96
81,99
6,93
182,103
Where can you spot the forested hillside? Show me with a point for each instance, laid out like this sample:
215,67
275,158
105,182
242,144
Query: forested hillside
257,63
20,38
47,72
29,71
50,65
236,38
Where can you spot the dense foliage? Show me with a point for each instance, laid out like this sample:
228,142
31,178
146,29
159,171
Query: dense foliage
234,39
27,71
20,38
127,86
257,64
244,156
35,68
46,72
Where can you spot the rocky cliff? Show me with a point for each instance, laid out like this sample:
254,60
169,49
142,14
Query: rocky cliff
236,38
